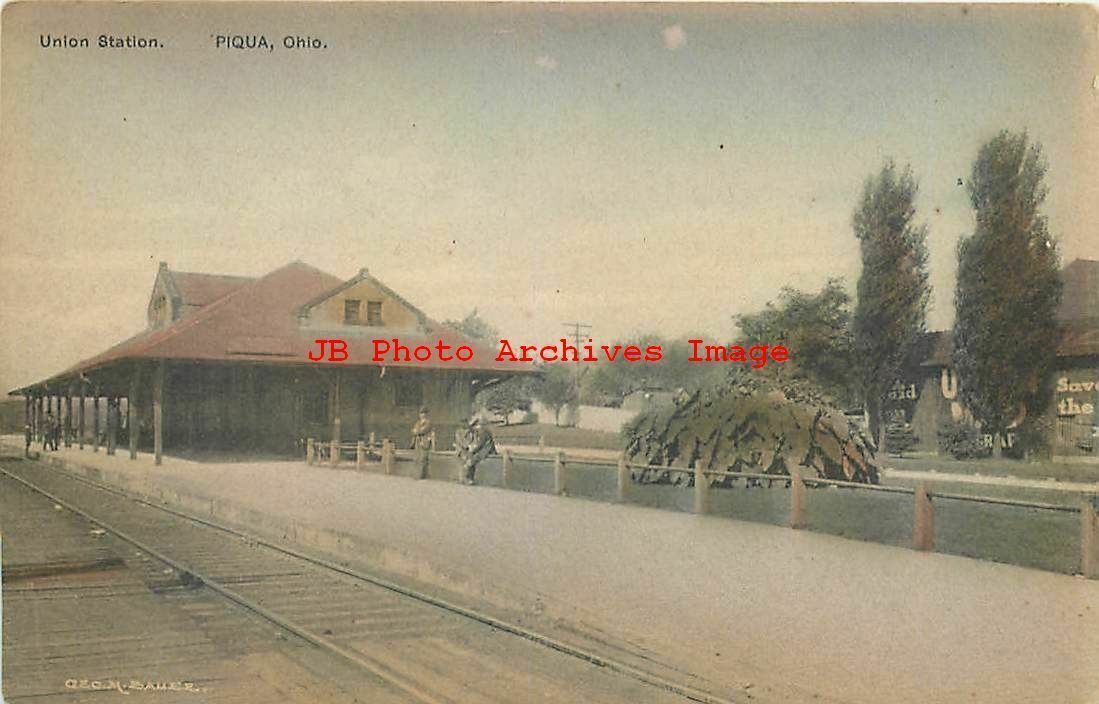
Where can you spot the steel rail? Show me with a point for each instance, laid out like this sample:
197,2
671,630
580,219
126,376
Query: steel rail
361,660
683,690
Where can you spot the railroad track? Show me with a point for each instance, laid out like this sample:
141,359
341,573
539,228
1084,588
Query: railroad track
429,649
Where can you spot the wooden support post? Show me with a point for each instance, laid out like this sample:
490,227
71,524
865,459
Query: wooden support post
114,411
131,411
68,418
923,520
336,405
797,500
702,490
95,423
334,452
310,450
80,419
1089,537
360,454
158,413
387,456
506,467
623,479
559,473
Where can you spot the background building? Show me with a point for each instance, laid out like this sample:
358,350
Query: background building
927,394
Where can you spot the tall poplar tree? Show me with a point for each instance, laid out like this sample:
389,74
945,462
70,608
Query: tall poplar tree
893,290
1008,288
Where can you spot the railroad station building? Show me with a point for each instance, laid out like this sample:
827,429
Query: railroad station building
927,394
223,365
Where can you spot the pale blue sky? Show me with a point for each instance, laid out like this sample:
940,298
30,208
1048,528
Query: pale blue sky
656,167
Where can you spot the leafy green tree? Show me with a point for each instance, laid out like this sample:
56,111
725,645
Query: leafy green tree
504,398
474,326
893,292
816,328
606,383
555,389
1008,288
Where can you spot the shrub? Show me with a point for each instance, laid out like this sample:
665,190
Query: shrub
899,438
1032,440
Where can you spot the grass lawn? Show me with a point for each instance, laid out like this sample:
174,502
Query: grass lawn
529,433
1062,471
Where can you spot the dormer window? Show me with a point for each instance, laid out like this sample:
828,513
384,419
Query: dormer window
374,313
352,311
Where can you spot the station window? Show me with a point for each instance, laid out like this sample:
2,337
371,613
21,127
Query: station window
374,313
352,311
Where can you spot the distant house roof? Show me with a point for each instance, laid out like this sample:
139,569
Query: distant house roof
1081,292
1078,315
256,320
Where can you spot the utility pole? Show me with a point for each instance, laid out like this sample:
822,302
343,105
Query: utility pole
579,332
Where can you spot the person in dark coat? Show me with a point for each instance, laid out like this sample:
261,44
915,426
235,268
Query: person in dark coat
49,423
56,434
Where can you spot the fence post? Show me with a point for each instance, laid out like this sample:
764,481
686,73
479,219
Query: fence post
623,478
372,444
360,454
310,451
797,500
702,490
1089,537
541,443
923,520
433,441
387,455
559,473
334,452
506,467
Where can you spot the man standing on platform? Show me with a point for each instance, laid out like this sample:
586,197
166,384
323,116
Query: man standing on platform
421,441
48,424
55,433
477,444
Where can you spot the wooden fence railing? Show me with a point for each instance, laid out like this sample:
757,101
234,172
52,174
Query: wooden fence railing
386,455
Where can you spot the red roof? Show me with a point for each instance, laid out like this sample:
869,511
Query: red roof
256,320
196,289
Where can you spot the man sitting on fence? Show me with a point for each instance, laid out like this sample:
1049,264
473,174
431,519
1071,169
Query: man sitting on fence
476,444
